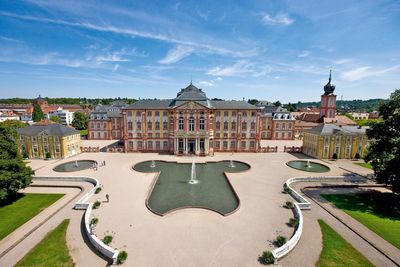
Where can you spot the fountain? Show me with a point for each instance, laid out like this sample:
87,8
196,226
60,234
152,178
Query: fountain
231,164
152,164
75,165
308,164
192,179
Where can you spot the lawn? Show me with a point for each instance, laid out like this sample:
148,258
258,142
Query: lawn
364,164
51,251
380,212
338,252
21,209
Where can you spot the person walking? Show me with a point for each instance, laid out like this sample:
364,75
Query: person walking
108,198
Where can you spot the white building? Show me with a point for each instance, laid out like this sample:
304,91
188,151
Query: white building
5,117
65,116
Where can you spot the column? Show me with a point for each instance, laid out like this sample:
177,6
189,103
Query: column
197,146
185,145
206,143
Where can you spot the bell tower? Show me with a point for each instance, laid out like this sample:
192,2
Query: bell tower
328,100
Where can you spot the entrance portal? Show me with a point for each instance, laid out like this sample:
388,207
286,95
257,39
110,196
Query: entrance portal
191,146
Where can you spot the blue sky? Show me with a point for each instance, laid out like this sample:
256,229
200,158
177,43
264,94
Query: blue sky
272,50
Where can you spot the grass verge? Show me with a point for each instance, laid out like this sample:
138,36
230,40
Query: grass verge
338,252
364,164
51,251
380,212
21,209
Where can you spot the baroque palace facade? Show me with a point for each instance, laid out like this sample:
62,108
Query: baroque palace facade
191,123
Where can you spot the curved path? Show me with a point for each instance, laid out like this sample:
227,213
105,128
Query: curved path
18,243
310,242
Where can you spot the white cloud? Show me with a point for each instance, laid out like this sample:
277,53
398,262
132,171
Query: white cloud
116,67
240,68
8,39
111,57
218,79
365,72
176,54
304,53
210,48
278,19
207,83
342,61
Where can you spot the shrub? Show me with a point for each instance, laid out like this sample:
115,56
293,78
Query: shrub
94,221
289,205
25,155
334,156
357,156
98,189
280,240
286,190
48,156
267,257
121,258
293,222
107,239
96,204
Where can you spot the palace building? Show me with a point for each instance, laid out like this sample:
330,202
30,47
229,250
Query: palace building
47,139
191,123
327,139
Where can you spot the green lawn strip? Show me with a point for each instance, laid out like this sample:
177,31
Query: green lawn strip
380,212
364,164
338,252
24,208
51,251
83,132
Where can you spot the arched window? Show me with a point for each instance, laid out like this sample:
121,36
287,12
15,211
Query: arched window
201,126
180,123
191,124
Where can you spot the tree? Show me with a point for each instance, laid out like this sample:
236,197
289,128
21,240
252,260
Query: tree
277,104
37,114
384,149
55,118
14,174
80,121
291,107
252,101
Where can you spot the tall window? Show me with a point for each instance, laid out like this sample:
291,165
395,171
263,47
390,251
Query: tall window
191,124
217,125
226,126
149,125
165,125
157,124
233,126
139,125
129,125
253,126
201,126
244,126
180,123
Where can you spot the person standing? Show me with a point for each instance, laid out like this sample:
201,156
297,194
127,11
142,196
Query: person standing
108,198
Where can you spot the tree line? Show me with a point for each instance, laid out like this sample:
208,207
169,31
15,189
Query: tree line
83,101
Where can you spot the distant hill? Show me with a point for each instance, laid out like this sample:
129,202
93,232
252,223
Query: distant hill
67,100
349,105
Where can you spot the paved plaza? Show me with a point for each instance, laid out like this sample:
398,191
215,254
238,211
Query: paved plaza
187,237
